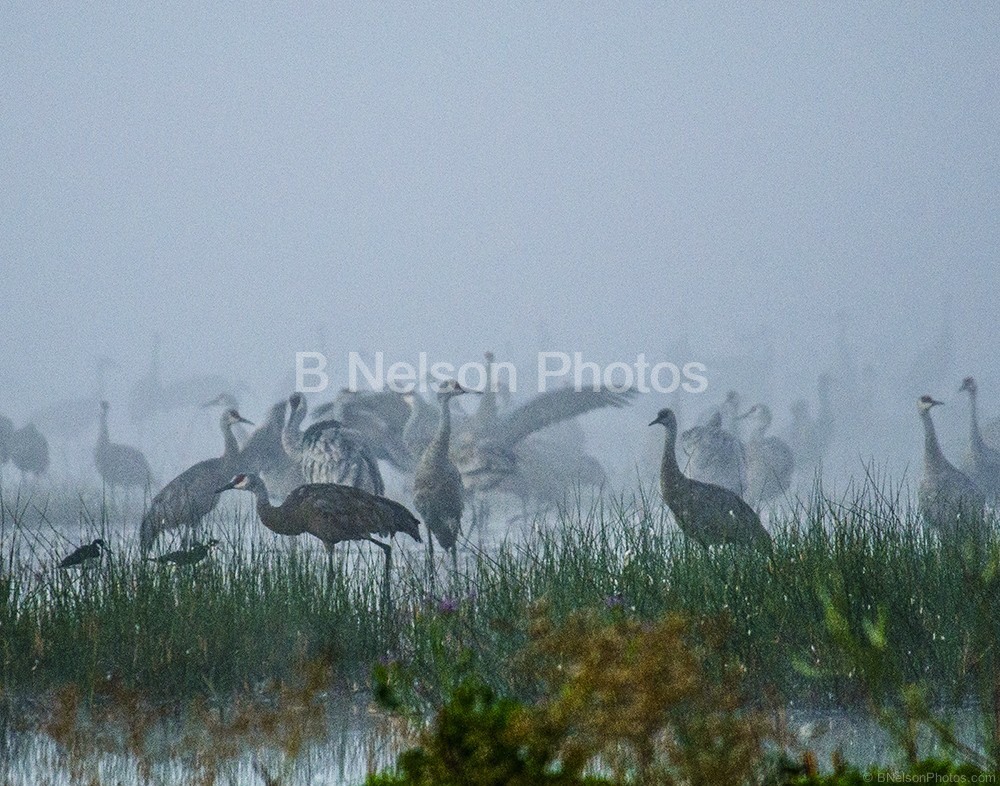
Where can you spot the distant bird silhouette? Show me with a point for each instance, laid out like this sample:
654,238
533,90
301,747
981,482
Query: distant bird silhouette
29,450
715,456
437,483
189,497
191,556
6,436
769,460
948,500
120,465
85,554
333,513
707,513
982,464
329,453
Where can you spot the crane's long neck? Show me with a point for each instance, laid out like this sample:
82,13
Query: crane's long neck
487,411
103,438
291,435
275,519
232,449
933,457
439,445
670,472
975,434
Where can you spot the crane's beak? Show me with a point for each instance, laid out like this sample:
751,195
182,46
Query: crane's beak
654,422
241,419
936,403
744,415
230,485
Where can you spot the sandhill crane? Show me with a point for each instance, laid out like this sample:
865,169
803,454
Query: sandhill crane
189,497
708,513
485,462
333,513
191,556
229,401
948,500
377,418
119,465
437,483
85,554
29,450
983,462
329,453
263,454
769,460
715,456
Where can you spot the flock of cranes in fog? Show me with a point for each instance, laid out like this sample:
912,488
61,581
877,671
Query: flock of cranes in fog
327,475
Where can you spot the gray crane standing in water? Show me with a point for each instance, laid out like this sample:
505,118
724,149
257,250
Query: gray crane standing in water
948,500
715,455
707,513
333,513
769,460
329,453
191,496
29,450
120,465
437,484
982,464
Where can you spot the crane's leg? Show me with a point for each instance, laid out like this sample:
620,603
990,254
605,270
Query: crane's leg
387,578
431,571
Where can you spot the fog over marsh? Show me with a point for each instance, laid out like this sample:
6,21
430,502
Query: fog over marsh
450,178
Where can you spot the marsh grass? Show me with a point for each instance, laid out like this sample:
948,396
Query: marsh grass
252,616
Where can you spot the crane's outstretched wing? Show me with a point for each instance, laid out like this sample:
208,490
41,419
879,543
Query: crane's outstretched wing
551,407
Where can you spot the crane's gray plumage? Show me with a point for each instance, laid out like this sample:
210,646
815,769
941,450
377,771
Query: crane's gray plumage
119,465
486,461
421,425
715,456
329,453
982,463
377,418
708,513
948,500
437,483
263,454
769,460
189,497
333,513
29,450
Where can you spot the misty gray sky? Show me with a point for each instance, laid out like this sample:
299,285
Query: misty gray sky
444,177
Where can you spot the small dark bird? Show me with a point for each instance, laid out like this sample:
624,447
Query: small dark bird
84,554
190,556
708,513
